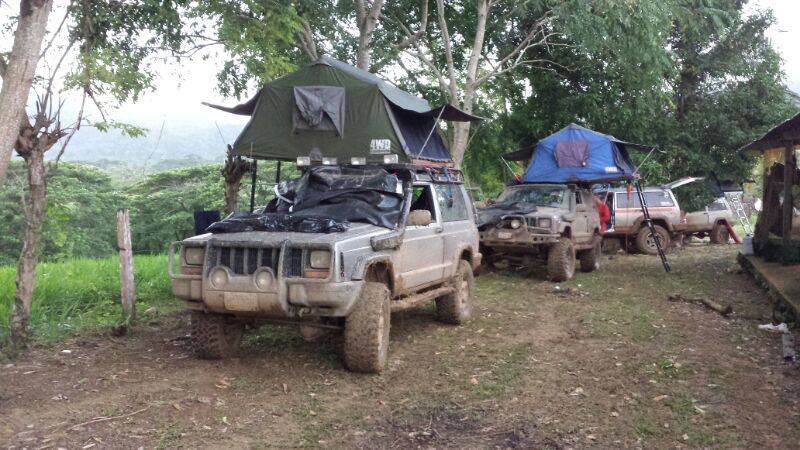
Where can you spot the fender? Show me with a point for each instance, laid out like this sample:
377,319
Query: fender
657,220
462,248
363,262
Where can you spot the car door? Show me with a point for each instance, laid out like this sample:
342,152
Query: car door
421,255
583,209
626,210
457,226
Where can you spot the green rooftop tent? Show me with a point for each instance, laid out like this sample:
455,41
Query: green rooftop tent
330,109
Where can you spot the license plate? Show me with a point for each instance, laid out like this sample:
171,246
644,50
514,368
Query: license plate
240,301
504,235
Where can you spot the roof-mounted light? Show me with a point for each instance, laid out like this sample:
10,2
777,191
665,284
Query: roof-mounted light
329,161
303,161
358,161
390,159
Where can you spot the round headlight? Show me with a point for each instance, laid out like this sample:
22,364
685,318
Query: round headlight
516,223
194,256
320,259
218,278
264,279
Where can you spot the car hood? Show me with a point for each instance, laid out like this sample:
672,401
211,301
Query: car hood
275,238
547,211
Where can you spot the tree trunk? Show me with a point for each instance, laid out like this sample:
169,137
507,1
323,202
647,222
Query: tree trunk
232,172
232,194
460,139
368,20
19,74
26,266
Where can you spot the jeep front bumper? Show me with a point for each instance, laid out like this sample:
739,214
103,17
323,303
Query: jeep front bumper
522,237
287,298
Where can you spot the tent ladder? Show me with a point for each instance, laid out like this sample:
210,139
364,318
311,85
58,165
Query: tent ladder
649,222
738,208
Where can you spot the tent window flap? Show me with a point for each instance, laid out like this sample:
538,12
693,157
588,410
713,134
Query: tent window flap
572,153
318,108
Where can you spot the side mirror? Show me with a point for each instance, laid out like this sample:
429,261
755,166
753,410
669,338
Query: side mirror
419,218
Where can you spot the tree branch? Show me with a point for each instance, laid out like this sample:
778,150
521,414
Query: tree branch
306,39
448,51
55,35
412,38
515,58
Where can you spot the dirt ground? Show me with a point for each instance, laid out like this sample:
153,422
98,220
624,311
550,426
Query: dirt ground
601,361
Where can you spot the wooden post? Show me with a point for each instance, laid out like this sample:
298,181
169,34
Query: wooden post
788,178
126,286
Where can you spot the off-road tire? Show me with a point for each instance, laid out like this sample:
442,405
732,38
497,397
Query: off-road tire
366,330
646,245
590,259
456,308
214,336
611,246
561,261
720,234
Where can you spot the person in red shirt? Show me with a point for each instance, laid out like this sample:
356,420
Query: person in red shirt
603,211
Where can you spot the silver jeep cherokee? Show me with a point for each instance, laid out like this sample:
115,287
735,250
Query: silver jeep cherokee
348,281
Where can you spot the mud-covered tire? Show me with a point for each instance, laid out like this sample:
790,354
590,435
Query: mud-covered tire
720,234
214,336
645,242
561,261
366,330
611,245
590,259
456,308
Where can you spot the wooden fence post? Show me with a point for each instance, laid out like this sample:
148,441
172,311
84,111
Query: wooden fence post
126,286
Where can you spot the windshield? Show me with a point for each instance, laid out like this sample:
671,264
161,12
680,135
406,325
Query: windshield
553,196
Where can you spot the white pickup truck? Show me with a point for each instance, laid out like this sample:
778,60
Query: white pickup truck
670,222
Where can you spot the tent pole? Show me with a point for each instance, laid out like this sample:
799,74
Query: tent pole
431,133
636,171
253,174
278,173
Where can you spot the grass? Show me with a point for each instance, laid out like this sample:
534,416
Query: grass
82,294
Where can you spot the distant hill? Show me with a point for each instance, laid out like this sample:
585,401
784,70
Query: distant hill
179,140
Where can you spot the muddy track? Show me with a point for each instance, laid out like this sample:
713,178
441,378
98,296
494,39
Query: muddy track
603,361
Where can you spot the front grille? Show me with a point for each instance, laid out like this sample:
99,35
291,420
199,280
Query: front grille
293,266
244,260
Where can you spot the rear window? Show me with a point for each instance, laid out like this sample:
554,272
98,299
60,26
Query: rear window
653,199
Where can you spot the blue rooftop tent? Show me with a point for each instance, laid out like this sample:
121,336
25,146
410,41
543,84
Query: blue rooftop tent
576,154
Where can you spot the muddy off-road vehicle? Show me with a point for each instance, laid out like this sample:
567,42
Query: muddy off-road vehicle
314,269
551,224
627,229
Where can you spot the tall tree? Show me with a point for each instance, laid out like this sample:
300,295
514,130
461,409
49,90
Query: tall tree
727,88
462,51
17,72
109,61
